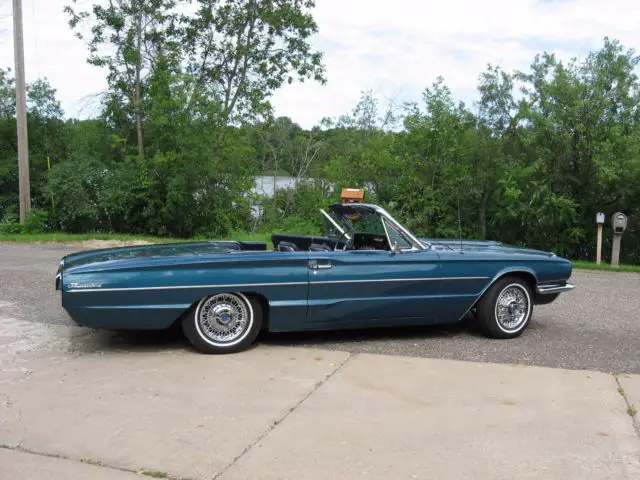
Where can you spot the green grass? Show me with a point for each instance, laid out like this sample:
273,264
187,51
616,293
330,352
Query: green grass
57,237
154,474
250,237
605,266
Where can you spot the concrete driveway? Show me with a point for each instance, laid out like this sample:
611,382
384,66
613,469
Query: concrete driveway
78,404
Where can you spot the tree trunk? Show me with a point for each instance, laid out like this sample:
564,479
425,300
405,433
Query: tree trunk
275,175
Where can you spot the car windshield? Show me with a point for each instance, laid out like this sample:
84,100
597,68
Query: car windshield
365,220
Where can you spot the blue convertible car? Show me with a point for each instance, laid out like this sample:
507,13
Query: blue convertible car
367,271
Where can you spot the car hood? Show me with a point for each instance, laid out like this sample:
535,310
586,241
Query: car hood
485,246
139,252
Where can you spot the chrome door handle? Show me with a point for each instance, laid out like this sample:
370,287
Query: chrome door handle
314,265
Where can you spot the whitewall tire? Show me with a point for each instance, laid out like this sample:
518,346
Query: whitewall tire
506,308
223,323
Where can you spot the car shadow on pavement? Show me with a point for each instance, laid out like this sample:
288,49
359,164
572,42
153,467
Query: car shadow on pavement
467,328
131,340
174,339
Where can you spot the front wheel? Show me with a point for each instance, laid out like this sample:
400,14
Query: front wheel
506,308
223,323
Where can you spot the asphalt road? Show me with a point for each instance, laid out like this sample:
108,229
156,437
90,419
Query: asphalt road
595,327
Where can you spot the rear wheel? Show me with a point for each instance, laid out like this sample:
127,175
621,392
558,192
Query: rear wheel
506,308
223,323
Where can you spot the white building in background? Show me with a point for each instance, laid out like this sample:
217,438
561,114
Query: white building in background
266,185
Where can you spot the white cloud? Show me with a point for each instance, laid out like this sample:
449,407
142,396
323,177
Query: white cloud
52,51
396,48
401,46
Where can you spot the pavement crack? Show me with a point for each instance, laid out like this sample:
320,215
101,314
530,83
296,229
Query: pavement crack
631,409
95,463
282,418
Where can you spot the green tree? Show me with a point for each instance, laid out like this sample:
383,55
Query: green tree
434,143
47,140
492,148
583,136
127,37
240,51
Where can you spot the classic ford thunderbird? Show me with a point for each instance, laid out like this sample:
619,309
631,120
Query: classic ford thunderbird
367,271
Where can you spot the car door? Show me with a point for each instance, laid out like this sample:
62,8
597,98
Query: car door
372,287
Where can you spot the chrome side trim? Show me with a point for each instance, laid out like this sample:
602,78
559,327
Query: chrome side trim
274,284
551,289
183,287
430,279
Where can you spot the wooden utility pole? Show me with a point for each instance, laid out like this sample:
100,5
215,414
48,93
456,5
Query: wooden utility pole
599,245
21,110
138,82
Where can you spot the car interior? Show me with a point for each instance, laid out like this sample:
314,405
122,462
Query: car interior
349,227
361,241
363,230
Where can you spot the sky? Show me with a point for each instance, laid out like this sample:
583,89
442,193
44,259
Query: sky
396,48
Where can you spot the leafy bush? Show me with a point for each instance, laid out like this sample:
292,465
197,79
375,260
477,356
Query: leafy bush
295,209
10,224
166,195
76,187
37,221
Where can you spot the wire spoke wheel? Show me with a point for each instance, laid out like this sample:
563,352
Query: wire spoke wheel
224,318
512,307
505,310
224,322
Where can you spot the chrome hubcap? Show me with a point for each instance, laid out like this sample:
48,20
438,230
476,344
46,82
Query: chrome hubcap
512,307
224,318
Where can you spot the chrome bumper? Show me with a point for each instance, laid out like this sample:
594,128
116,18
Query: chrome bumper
59,275
551,289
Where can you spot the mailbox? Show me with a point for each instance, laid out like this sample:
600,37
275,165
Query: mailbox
619,223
